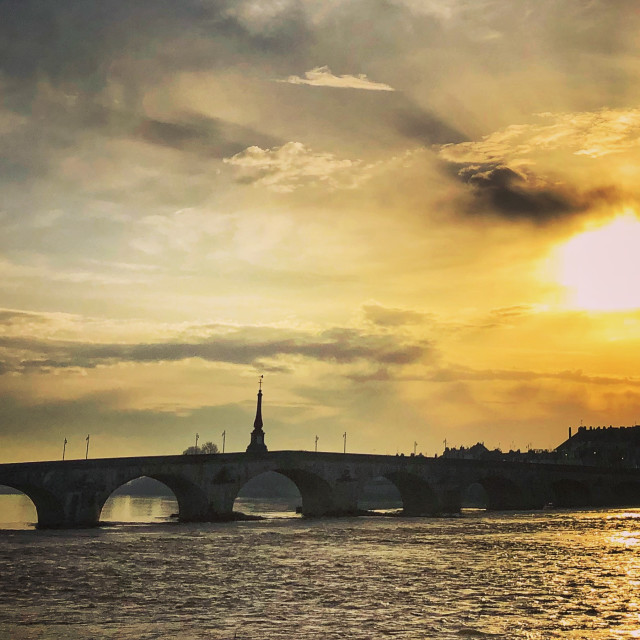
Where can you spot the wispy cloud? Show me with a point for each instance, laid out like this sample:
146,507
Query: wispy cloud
323,77
101,273
516,172
382,316
292,165
586,133
457,374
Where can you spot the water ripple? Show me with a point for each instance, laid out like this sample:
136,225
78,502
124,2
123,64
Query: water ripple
529,576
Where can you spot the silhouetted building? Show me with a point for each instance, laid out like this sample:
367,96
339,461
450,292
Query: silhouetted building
257,444
607,446
479,452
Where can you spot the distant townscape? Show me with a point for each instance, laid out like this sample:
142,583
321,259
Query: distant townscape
599,446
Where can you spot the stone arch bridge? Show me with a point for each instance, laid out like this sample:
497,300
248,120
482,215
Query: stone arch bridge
72,493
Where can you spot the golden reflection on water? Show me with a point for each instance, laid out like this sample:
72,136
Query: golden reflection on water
626,538
125,508
526,576
17,512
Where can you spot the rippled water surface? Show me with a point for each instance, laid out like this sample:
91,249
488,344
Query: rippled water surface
550,574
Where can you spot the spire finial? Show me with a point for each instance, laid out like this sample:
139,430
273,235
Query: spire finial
260,383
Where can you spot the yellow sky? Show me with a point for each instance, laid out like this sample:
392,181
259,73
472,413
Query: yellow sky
418,220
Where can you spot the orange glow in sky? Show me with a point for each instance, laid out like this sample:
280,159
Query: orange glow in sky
601,267
422,230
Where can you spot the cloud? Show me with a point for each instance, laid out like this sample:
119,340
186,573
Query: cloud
117,274
419,124
520,194
216,343
516,194
514,311
514,172
292,165
389,317
457,374
71,43
211,137
322,77
593,134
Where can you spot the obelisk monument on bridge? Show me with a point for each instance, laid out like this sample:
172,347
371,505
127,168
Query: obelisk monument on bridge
257,444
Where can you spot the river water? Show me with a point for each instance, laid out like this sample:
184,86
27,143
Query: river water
534,575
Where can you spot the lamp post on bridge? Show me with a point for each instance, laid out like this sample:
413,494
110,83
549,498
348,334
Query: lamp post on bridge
344,437
64,448
316,444
224,437
197,436
86,455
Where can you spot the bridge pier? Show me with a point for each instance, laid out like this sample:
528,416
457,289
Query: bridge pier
49,506
322,496
418,496
65,508
215,504
81,509
449,499
345,493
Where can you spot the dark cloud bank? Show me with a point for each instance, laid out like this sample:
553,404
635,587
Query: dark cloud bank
244,347
499,190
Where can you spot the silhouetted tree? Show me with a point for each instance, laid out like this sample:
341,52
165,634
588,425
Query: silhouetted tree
207,447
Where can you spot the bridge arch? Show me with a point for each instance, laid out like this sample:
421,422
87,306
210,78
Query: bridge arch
568,492
193,504
48,507
17,509
141,500
267,493
474,496
379,494
315,492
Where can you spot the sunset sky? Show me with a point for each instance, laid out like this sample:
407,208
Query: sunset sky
417,218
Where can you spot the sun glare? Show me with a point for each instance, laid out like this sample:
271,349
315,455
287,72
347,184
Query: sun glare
601,267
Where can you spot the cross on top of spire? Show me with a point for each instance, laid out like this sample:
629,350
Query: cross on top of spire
260,382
